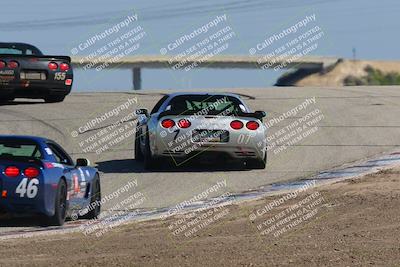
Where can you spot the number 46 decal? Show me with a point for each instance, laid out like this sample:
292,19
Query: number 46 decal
29,188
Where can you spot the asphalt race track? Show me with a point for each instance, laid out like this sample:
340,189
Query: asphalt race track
358,122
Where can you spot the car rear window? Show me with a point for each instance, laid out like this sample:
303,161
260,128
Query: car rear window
12,51
19,149
205,104
19,49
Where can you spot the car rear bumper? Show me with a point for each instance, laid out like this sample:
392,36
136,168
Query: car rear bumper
12,203
24,207
207,150
254,147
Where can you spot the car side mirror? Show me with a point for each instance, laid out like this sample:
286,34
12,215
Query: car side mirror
142,111
260,114
82,162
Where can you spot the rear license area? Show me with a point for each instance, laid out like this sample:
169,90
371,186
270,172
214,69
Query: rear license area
6,75
210,136
33,75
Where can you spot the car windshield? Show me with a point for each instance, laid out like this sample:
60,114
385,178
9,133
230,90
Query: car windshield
205,105
19,149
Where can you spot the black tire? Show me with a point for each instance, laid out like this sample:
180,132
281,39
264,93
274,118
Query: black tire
54,99
60,205
150,163
138,152
257,163
95,200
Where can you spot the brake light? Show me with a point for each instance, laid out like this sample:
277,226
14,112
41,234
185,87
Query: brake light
236,125
252,125
168,123
52,66
184,123
2,64
13,64
31,172
11,171
64,67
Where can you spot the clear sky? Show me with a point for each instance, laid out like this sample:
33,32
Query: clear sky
56,27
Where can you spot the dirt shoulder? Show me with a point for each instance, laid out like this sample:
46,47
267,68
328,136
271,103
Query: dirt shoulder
351,223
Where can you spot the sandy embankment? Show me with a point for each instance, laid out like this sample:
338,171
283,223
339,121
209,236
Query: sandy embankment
335,75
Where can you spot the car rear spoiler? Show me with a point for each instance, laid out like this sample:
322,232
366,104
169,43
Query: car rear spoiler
66,58
257,114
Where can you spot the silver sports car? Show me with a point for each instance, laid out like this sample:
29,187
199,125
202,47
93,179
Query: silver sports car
209,127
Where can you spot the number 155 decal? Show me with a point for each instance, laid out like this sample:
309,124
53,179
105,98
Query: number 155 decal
28,187
60,76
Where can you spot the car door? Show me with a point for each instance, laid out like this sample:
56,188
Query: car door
76,176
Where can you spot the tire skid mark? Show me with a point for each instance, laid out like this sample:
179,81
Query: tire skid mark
24,115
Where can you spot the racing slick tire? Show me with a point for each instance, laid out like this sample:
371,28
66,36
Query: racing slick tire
54,99
150,163
95,201
257,163
138,152
60,205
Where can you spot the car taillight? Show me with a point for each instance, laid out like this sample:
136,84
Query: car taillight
11,171
64,67
2,64
252,125
168,123
52,66
236,125
13,64
184,123
31,172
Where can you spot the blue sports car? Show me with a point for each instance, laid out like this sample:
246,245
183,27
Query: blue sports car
37,176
